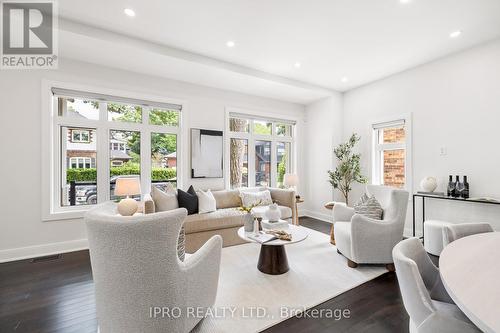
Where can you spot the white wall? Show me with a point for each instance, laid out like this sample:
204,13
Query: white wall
455,103
323,132
22,233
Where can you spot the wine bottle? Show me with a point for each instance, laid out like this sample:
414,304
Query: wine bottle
457,182
465,192
451,187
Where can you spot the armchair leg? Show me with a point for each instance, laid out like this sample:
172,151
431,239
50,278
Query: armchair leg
351,263
332,236
390,267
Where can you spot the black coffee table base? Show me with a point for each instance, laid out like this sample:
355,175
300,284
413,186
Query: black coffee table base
272,259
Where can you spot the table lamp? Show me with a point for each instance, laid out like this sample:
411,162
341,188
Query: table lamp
127,186
291,180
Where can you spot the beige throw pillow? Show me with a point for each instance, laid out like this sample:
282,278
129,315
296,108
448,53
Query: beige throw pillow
164,201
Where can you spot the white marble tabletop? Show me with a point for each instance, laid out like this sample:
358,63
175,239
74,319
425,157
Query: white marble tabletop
298,234
470,270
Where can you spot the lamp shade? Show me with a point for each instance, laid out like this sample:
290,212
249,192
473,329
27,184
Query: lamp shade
127,186
291,179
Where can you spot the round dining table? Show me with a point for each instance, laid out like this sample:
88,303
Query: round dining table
470,270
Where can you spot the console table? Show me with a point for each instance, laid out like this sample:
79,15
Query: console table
441,197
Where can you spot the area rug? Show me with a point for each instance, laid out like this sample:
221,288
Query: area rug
251,301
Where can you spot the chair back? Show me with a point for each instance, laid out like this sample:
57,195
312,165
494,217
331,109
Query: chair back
394,201
455,231
135,266
413,274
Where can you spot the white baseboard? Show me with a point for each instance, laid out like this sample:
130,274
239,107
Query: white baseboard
42,250
316,215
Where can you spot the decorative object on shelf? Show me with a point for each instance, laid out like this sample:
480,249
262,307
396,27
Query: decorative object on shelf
458,189
456,193
451,187
428,184
207,153
273,213
127,186
465,192
348,169
291,181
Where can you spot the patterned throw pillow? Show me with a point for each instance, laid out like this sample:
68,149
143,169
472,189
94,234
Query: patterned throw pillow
369,207
260,198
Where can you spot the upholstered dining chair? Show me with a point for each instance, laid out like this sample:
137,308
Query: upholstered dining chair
136,270
363,240
455,231
428,304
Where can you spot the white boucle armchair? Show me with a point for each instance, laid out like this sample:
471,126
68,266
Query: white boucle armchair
136,268
363,240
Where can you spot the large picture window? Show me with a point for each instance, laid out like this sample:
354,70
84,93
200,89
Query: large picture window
260,150
100,138
391,162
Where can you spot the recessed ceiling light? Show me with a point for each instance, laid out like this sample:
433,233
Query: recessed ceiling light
455,34
405,1
344,79
297,64
230,43
129,12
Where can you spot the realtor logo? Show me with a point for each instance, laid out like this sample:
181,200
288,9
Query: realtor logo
28,35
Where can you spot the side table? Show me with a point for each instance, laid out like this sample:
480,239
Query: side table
296,213
330,205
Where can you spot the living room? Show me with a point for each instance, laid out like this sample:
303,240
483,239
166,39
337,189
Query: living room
220,166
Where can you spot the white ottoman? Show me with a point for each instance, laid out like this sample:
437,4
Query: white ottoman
433,233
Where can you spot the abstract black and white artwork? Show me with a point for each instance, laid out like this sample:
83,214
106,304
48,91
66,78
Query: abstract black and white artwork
207,153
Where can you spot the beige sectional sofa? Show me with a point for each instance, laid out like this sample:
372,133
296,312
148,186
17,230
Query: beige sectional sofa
227,219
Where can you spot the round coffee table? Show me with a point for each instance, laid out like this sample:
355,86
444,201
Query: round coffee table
272,257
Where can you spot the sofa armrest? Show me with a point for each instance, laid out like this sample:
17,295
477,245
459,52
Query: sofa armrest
283,197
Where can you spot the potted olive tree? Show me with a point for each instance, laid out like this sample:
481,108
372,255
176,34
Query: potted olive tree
348,169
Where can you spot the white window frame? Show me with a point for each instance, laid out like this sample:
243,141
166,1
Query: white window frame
80,131
251,138
78,159
379,148
51,143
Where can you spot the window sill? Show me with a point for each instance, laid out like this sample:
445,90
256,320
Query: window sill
65,215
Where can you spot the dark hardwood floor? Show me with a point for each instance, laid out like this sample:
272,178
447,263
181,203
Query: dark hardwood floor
57,295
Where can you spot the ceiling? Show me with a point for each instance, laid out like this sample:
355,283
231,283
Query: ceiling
361,40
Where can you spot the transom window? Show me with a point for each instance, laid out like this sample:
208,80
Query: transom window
100,138
260,150
390,154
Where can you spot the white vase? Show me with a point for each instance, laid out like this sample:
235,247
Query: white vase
428,184
273,213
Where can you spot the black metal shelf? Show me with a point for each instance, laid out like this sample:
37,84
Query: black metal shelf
442,197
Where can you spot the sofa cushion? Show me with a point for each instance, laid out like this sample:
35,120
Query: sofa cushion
206,202
260,211
164,200
188,200
227,198
261,198
220,219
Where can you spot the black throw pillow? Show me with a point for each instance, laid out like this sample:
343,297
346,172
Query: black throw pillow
188,200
